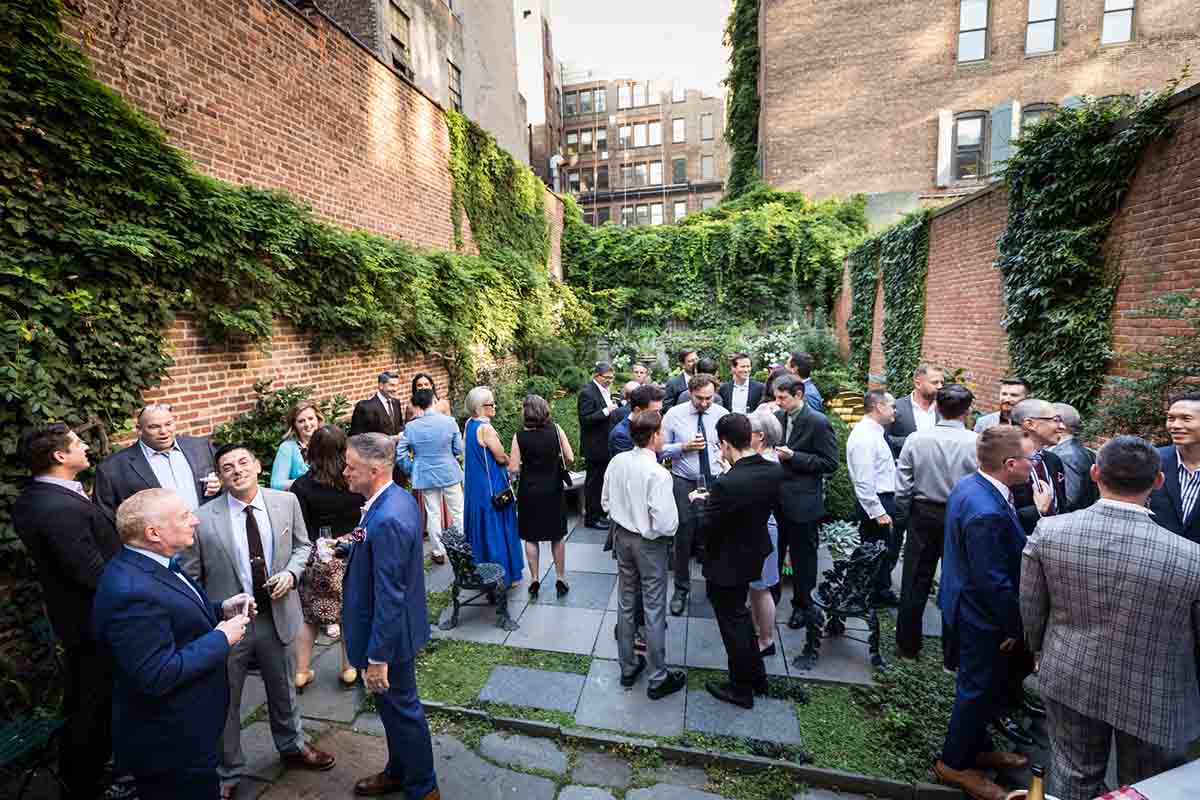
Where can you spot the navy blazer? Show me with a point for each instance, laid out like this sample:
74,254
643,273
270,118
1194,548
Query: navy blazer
1167,503
170,689
126,472
981,559
384,617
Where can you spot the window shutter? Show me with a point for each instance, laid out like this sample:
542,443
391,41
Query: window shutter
945,147
1004,117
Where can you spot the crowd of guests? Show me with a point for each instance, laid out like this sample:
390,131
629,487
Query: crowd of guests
182,573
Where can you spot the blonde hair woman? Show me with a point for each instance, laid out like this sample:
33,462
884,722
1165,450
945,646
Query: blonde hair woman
291,459
491,532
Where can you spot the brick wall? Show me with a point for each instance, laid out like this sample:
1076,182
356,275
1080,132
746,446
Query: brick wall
1156,235
256,92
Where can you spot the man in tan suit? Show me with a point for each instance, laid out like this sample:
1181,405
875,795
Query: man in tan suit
253,540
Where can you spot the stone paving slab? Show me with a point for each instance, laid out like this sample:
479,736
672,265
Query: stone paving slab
478,623
254,695
594,768
606,704
587,590
563,630
931,619
698,605
770,720
325,698
368,722
519,750
663,791
518,686
844,659
678,775
705,648
439,577
606,643
826,794
590,558
582,535
262,759
584,793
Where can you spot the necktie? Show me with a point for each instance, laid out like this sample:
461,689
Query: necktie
704,471
258,561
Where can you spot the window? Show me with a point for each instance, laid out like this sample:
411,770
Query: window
707,167
1118,22
708,202
627,215
585,141
602,178
1035,112
655,133
572,143
656,213
627,175
678,94
602,141
1041,32
639,174
643,215
398,31
589,218
601,101
625,135
680,209
573,180
969,161
972,30
678,130
623,101
639,94
585,102
639,135
655,173
678,170
570,99
603,215
455,87
706,127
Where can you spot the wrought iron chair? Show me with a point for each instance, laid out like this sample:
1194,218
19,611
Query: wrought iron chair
484,579
28,742
845,592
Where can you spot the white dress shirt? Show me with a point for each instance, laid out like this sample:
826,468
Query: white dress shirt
872,470
608,401
166,562
739,398
924,420
387,405
367,506
637,494
237,518
173,471
74,486
1004,491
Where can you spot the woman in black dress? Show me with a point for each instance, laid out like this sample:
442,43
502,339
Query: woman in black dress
539,450
331,512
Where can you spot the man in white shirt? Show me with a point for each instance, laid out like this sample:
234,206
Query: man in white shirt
638,498
873,473
918,410
742,394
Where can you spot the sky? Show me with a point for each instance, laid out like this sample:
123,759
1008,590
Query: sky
655,39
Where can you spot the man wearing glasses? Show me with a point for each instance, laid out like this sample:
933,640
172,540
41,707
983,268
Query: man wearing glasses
1045,493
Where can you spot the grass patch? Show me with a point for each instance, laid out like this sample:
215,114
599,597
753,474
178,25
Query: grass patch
436,602
763,784
454,671
560,718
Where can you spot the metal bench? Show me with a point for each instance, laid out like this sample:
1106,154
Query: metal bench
484,579
844,593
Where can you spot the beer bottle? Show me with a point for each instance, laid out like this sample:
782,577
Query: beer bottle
1036,790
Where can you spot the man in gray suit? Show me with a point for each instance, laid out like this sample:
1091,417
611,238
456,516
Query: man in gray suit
1112,603
253,540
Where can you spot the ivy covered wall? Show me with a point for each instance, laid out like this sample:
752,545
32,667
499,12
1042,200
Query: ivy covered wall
741,124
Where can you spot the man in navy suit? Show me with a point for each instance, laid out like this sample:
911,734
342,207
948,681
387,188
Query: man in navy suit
1176,505
168,643
384,619
981,575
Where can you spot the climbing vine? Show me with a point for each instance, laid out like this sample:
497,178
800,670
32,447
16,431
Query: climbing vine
904,263
1065,183
741,124
863,263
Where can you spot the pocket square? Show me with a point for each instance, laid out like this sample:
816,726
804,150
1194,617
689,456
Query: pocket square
358,535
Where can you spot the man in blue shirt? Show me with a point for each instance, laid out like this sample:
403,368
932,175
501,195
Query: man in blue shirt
642,399
801,365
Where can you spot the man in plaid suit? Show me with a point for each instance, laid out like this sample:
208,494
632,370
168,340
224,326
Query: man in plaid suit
1112,602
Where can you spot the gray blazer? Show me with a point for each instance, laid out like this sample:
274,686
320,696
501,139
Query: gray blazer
1112,601
212,559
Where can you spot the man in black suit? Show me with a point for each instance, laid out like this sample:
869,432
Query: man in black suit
1045,493
70,540
810,453
1176,505
595,406
1077,460
742,394
732,523
918,410
159,460
677,384
381,412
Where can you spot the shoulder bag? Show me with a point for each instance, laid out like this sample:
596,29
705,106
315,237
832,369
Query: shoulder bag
564,474
506,496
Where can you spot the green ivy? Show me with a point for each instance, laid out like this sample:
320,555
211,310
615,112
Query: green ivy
904,263
765,257
106,232
741,122
1065,184
863,263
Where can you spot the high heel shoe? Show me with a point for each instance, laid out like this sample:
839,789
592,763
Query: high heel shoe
534,587
349,677
303,679
561,588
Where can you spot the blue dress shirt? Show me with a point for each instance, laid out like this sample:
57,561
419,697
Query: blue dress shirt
428,451
173,471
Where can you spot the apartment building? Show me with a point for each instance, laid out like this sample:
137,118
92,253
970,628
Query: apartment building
539,80
915,102
642,152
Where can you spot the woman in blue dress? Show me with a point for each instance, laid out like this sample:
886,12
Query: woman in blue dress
492,534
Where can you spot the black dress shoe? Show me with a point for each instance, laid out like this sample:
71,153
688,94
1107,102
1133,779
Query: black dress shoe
631,679
1013,731
886,599
796,620
679,602
723,691
601,523
1034,708
676,679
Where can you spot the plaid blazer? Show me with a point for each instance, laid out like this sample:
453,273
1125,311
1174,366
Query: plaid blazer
1112,602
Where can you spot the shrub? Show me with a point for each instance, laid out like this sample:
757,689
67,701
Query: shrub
839,491
573,378
551,356
542,386
264,428
841,537
834,380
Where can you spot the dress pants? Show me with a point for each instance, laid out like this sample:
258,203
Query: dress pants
978,695
410,750
871,531
593,487
432,500
199,783
277,664
801,540
746,671
685,535
1079,748
922,553
85,744
642,563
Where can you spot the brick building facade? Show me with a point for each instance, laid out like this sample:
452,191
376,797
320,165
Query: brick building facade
641,152
915,102
303,108
540,80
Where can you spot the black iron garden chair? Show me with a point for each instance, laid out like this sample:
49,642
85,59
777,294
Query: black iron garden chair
484,579
845,592
27,742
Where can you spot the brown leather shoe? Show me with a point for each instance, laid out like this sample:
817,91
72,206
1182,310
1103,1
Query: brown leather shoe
379,784
970,781
1000,759
309,757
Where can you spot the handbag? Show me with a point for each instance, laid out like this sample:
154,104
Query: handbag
564,474
506,496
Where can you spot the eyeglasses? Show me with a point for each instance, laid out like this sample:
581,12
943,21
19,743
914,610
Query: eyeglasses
1047,419
489,405
1020,458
